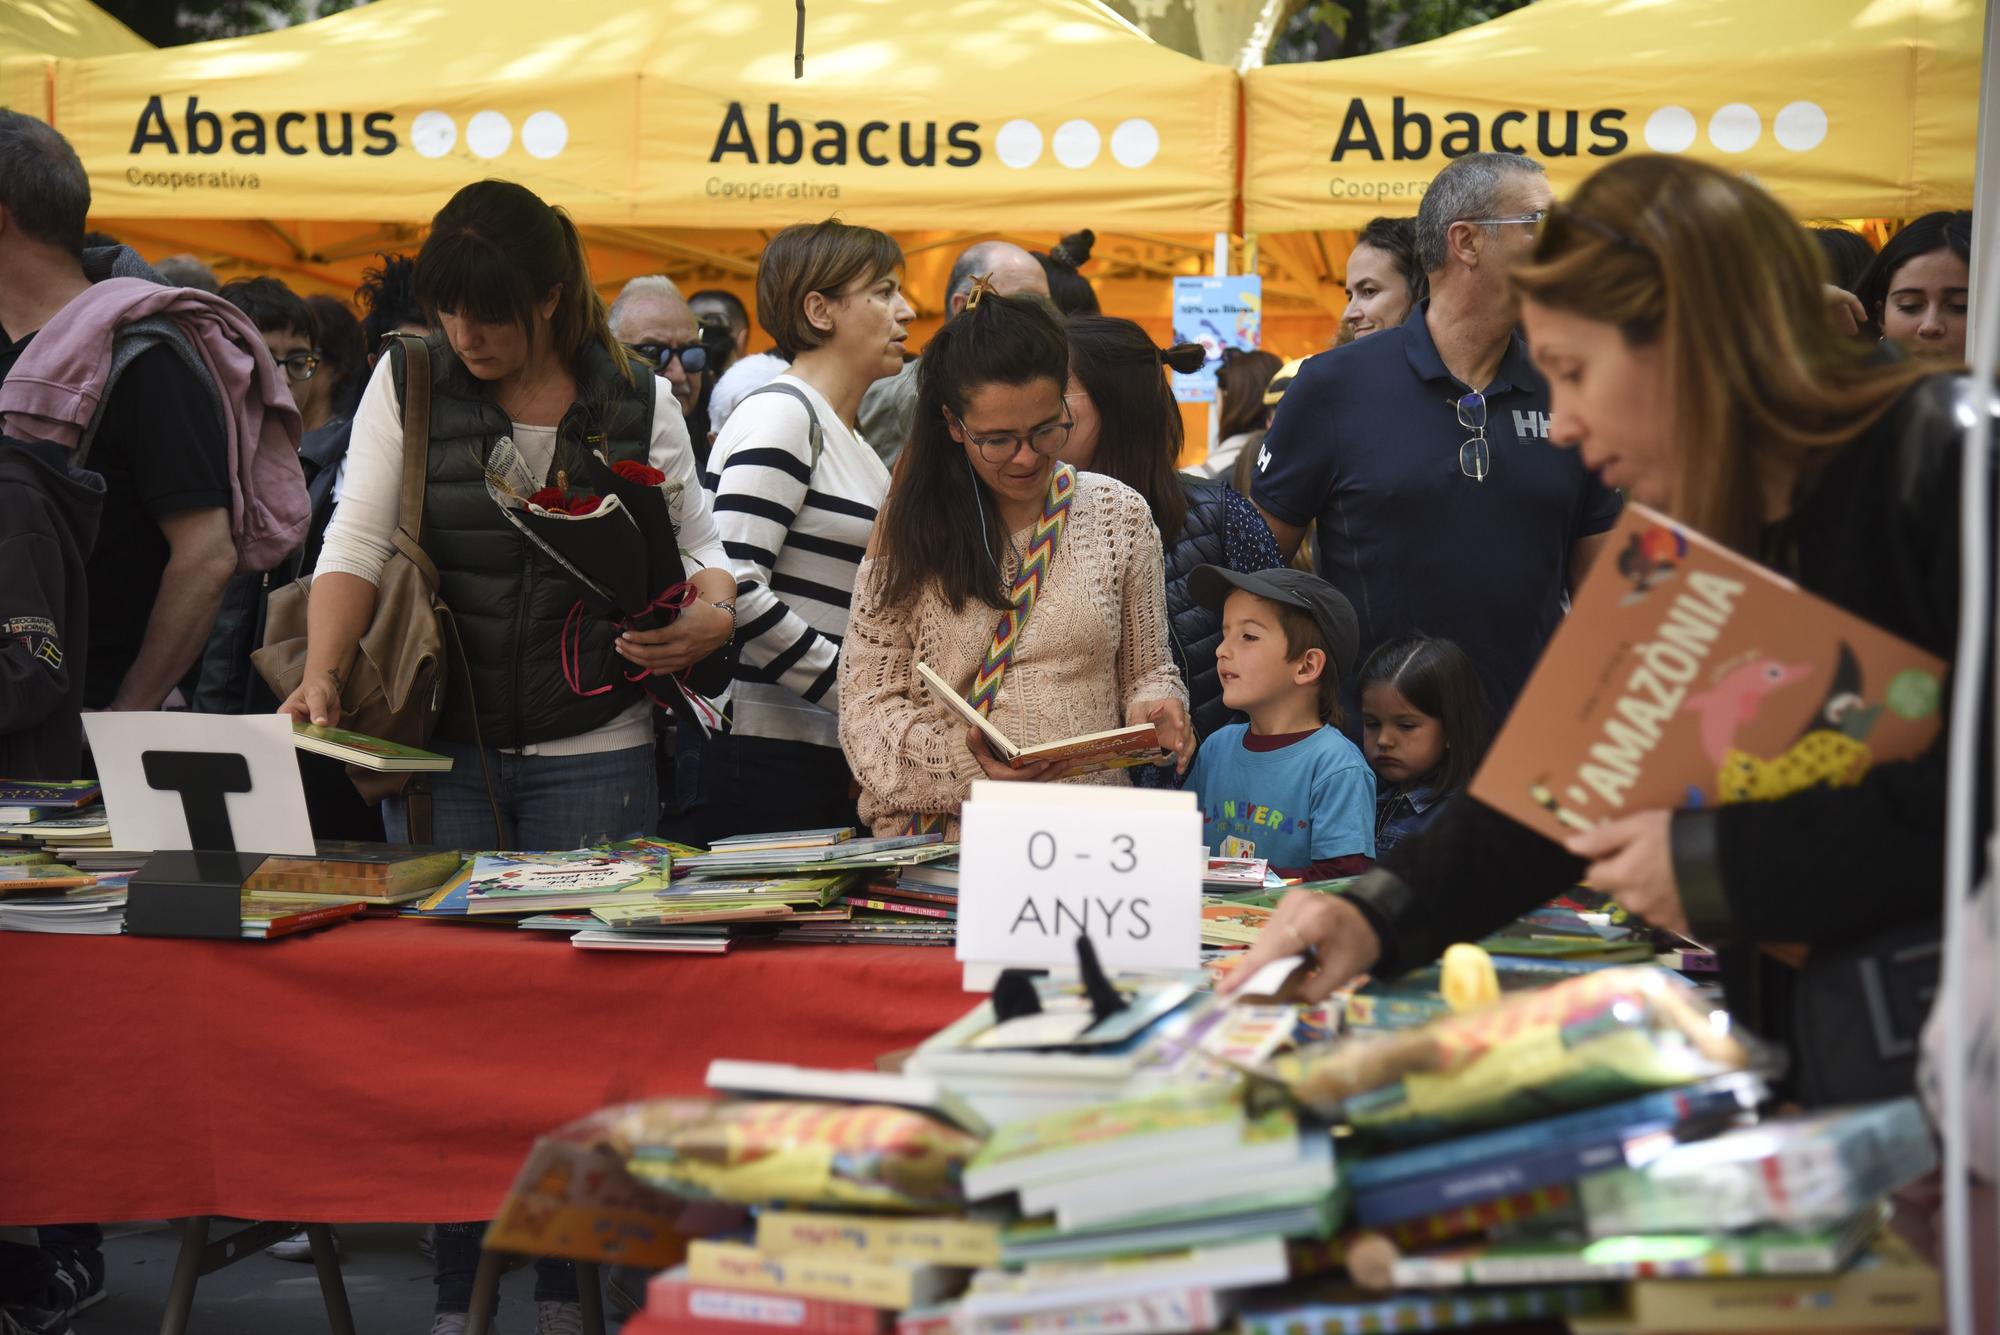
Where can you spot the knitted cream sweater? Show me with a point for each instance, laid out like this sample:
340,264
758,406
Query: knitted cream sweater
1095,645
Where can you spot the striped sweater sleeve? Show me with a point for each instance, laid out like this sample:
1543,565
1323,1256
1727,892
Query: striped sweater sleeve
762,486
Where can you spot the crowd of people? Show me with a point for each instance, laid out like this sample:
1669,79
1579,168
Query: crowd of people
1324,622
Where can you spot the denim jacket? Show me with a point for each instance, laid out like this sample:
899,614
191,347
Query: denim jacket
1400,813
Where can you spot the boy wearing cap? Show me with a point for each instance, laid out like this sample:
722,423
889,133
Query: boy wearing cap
1288,786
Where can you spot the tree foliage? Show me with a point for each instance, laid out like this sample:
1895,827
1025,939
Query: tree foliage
1332,29
174,22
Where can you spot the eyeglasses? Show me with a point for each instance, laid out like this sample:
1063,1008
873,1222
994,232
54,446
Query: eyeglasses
1475,456
693,356
1512,220
300,365
1048,438
1550,237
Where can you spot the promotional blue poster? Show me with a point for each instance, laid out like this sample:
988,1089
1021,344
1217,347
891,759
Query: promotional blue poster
1217,313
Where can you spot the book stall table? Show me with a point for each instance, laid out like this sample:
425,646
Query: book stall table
389,1071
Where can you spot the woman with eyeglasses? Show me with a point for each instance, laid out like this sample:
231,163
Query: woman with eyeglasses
1796,446
1128,426
981,495
796,491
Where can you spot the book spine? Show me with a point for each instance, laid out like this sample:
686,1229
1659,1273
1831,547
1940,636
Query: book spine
949,1242
1647,1113
1467,1220
688,1305
1170,1312
1422,1313
311,918
1487,1181
837,1279
890,906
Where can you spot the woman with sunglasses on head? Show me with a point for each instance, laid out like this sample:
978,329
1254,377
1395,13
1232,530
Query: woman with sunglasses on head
796,491
982,495
1128,426
1800,448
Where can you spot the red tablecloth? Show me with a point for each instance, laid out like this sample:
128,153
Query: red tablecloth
385,1070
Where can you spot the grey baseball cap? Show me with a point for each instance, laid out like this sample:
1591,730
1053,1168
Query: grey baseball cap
1326,605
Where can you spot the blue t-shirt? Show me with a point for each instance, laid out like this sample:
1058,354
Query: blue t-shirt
1366,441
1304,803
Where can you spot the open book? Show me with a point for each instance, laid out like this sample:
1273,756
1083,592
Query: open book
1119,748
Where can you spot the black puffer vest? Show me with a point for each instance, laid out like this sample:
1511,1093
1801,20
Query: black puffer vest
1195,630
509,599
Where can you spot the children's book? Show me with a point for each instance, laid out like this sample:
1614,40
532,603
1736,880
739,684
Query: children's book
1797,1172
365,752
1889,1289
778,1080
835,1278
1340,1310
919,1239
350,869
1563,1260
1686,676
747,843
22,801
679,943
676,1305
1160,1130
267,916
1115,748
530,882
42,879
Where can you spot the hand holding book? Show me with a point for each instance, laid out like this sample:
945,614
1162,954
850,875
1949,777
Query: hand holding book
1170,720
1039,771
1632,860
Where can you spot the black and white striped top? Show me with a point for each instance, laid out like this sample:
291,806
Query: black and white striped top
795,535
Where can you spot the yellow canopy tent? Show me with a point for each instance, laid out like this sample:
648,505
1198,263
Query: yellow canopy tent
35,33
1841,108
672,130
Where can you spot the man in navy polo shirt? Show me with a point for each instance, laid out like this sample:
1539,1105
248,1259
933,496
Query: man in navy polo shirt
1443,511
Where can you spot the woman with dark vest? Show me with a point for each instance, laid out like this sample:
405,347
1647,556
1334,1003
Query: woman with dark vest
525,356
1129,427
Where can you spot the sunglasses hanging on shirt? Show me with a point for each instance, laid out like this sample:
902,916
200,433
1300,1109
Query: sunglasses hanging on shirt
1475,456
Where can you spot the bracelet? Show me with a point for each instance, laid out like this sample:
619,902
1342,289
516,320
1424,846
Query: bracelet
728,607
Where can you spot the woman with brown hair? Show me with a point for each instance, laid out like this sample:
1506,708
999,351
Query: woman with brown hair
796,490
1802,449
526,359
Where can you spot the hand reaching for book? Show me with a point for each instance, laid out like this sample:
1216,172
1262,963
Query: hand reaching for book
1632,860
1337,942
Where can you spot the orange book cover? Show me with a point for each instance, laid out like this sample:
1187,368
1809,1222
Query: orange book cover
1687,676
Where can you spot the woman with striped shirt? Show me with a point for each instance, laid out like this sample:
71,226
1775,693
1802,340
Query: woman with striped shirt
796,490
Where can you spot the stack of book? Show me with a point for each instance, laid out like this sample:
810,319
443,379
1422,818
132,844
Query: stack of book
376,874
95,910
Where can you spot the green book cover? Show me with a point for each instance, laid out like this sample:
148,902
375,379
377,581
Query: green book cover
374,753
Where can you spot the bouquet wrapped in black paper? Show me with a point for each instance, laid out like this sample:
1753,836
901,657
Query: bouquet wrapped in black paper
609,527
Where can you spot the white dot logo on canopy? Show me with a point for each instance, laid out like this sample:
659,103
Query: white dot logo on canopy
1800,127
1019,143
1077,144
544,134
1735,128
1670,130
488,134
1135,143
433,133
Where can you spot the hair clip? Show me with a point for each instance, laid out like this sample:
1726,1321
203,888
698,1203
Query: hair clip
980,287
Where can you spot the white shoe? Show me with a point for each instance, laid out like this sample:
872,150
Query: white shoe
297,1248
448,1323
556,1319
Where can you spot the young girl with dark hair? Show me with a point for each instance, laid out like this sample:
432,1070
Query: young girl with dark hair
1916,289
1423,729
1080,644
1128,426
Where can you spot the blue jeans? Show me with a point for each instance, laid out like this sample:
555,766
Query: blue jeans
543,802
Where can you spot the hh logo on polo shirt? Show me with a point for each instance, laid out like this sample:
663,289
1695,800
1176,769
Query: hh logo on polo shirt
1531,424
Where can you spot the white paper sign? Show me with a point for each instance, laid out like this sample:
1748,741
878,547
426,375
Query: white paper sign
268,816
1044,863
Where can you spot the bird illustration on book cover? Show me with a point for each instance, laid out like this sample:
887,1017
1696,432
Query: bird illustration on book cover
1687,676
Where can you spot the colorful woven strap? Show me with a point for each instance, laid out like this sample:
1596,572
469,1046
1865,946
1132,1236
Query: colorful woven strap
1027,589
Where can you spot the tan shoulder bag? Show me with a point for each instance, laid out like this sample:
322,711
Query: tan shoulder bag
396,686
